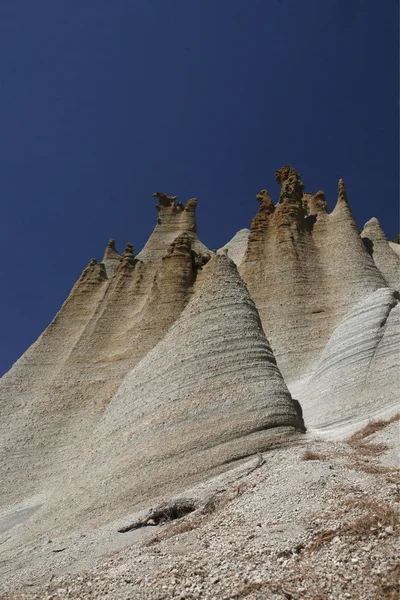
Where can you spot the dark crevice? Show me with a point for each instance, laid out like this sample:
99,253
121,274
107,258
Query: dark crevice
163,514
310,220
368,245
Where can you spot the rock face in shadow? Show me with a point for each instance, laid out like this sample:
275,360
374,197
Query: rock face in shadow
305,269
117,311
384,256
208,395
357,376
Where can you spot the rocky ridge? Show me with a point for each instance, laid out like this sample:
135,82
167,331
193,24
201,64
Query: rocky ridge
168,370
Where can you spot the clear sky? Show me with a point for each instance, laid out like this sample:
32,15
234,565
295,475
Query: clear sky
104,102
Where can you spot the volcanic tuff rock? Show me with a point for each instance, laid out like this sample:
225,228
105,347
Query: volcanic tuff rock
305,269
157,373
214,361
357,377
396,247
385,256
236,247
116,312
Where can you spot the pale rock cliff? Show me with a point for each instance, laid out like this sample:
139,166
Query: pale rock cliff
357,378
237,246
165,369
116,312
305,269
384,255
207,396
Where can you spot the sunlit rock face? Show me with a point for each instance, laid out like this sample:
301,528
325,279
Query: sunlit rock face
117,311
384,254
305,269
167,367
207,396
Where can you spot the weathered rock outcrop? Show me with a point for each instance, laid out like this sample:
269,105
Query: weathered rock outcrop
172,219
157,374
384,256
111,257
208,395
115,314
396,247
305,269
236,247
357,377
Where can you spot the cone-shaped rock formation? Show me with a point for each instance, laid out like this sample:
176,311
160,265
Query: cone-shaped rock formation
156,374
115,314
237,246
304,269
111,257
357,377
172,219
385,258
208,394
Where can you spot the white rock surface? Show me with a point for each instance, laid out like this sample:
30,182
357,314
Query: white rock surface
237,246
385,256
207,396
357,377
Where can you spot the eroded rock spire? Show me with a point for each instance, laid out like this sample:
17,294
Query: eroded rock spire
292,185
94,272
128,259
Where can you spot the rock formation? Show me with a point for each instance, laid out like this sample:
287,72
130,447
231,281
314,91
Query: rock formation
357,377
304,268
117,311
206,397
157,373
384,255
236,247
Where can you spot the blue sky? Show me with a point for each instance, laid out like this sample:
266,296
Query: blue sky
104,102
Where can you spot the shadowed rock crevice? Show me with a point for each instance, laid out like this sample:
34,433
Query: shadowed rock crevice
164,513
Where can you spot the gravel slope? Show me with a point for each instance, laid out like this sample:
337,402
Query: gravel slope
317,520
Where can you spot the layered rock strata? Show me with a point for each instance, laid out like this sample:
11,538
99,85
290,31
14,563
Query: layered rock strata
357,377
385,256
207,396
118,310
305,269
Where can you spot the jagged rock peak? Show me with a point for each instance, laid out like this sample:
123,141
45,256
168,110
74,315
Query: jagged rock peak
191,205
384,256
320,196
181,245
292,185
342,191
127,260
283,174
266,204
94,271
373,230
315,204
111,253
166,202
